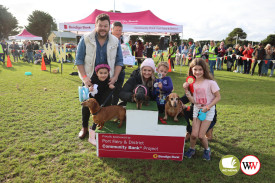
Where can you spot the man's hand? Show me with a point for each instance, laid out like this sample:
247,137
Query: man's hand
87,82
112,80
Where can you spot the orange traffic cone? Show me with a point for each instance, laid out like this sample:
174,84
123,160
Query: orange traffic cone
169,65
9,62
43,66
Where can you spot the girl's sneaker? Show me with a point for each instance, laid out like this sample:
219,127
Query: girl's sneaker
189,153
206,154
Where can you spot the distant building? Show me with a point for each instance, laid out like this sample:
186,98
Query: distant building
64,37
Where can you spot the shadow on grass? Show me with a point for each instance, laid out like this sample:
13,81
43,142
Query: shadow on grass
9,68
194,170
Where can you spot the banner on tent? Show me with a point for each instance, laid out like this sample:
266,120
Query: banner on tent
76,27
126,28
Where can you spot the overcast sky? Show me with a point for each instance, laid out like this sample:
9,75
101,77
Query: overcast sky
201,19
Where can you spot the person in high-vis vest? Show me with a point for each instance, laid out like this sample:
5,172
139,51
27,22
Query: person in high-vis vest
197,50
1,53
213,52
172,53
4,48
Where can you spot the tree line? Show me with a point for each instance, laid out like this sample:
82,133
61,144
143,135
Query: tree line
42,24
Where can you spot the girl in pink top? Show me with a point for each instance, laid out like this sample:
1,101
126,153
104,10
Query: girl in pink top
206,95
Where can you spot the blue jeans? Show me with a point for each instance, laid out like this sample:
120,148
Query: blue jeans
238,68
212,63
265,67
272,70
219,63
30,56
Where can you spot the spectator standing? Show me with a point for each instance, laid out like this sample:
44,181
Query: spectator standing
139,51
221,53
145,48
240,60
259,55
149,50
5,49
204,53
1,54
172,54
197,50
29,49
273,64
248,54
267,59
235,55
213,52
229,59
14,50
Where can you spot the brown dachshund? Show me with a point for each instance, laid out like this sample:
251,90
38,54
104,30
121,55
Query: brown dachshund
173,106
103,114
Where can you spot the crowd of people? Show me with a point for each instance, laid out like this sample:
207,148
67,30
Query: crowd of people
29,51
239,59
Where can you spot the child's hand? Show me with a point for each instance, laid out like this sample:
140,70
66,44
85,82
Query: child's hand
185,86
91,88
204,109
111,86
160,85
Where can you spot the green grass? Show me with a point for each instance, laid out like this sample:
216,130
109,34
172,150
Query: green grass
40,117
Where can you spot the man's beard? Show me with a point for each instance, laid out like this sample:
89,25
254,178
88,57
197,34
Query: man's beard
102,37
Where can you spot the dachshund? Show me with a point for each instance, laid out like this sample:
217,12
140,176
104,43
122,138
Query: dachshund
173,106
103,114
140,96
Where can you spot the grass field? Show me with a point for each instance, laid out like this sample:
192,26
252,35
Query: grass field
40,117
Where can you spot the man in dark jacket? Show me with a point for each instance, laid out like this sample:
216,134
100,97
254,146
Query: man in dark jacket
259,55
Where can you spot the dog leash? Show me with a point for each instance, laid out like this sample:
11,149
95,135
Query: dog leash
102,105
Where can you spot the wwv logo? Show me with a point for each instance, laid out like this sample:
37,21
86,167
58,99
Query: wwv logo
250,165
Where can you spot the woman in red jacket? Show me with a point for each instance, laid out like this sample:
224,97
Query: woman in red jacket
139,51
248,54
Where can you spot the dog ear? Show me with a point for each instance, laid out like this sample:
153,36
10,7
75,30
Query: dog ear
133,97
167,98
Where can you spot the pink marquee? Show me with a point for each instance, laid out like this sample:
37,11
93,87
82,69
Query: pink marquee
136,23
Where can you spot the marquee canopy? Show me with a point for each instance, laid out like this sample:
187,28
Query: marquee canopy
25,35
136,23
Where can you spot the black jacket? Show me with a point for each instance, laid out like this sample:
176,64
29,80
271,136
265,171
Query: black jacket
259,53
128,88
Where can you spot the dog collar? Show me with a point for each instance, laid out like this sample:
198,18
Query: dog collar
142,87
97,112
